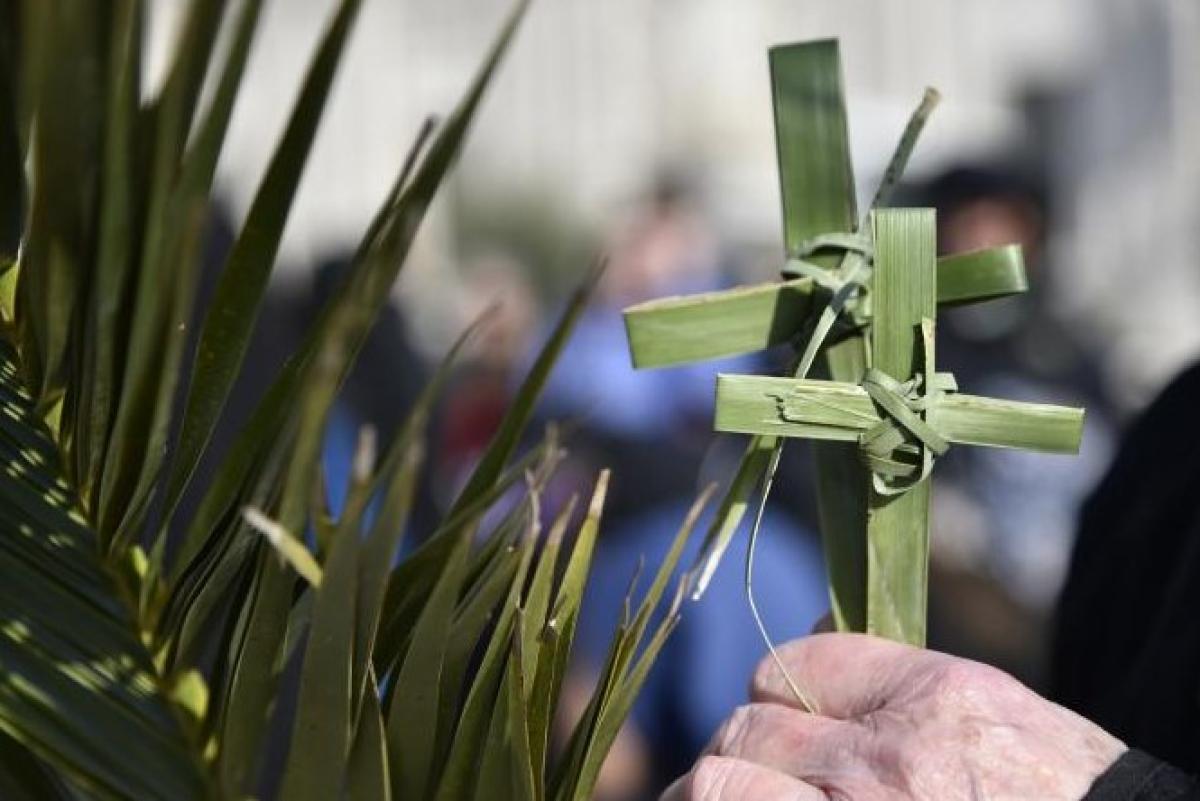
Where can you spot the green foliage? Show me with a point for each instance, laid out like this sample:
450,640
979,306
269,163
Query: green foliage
138,666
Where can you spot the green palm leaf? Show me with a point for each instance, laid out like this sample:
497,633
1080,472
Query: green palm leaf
77,685
135,665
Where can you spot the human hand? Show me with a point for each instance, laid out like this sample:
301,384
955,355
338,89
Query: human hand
895,722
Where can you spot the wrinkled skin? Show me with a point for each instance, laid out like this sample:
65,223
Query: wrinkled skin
895,722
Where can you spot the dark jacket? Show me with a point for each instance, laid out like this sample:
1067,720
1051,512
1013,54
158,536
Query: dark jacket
1137,776
1127,646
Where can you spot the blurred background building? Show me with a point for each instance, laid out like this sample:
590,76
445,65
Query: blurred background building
643,128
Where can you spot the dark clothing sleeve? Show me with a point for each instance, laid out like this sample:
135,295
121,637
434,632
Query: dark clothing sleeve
1127,650
1137,776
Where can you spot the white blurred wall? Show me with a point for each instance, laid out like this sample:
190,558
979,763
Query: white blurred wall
1127,155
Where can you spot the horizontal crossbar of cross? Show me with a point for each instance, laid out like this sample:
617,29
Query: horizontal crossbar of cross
709,325
829,410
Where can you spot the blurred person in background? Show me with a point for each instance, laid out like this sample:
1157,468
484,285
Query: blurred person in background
653,429
1004,520
379,392
496,287
650,426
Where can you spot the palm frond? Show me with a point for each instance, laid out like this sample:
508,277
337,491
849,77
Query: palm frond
139,665
77,685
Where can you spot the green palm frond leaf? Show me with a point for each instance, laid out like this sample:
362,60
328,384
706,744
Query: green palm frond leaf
77,684
141,654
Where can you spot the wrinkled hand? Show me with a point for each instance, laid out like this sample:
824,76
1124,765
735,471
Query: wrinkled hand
895,722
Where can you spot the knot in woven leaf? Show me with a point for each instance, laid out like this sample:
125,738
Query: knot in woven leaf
858,246
901,449
849,300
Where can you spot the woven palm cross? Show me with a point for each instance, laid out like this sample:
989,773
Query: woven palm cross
861,300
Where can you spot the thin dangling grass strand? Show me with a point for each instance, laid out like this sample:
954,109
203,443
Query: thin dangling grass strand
805,700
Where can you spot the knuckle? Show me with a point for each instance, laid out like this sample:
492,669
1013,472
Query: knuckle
752,725
967,685
709,778
763,676
961,672
789,653
732,734
767,677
